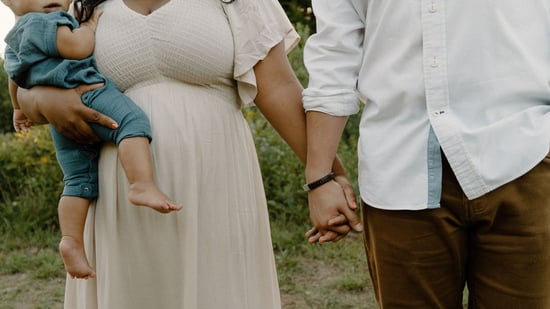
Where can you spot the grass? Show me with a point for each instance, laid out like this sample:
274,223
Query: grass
321,276
31,272
310,276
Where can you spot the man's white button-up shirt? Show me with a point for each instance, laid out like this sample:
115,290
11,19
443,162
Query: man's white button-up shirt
469,77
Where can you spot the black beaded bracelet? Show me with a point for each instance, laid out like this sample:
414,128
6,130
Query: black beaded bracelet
319,182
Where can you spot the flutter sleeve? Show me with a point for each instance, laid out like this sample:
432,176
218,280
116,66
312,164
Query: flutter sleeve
257,26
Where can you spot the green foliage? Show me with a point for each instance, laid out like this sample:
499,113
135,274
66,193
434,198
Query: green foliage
282,171
299,12
31,182
5,102
296,56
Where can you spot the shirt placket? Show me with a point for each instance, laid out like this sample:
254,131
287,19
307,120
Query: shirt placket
442,120
434,55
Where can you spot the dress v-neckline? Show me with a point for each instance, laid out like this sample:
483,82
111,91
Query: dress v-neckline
141,14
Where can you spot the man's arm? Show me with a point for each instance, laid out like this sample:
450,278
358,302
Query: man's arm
279,99
77,43
333,58
327,201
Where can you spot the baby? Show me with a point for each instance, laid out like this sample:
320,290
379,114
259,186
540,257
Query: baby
47,46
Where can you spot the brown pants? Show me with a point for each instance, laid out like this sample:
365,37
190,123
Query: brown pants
498,244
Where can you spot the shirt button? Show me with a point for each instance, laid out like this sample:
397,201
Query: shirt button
435,63
433,9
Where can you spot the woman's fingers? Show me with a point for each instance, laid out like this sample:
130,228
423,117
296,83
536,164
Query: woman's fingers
330,236
90,115
82,89
312,232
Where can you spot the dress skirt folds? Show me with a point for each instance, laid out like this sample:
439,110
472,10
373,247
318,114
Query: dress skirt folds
188,65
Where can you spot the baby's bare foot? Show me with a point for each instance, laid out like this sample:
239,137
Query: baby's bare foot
148,195
74,258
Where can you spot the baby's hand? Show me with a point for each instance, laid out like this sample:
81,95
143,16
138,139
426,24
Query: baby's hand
20,121
92,22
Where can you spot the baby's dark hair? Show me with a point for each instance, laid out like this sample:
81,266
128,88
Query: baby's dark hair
83,9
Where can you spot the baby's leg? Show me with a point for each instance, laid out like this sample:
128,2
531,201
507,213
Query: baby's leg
132,137
72,216
137,163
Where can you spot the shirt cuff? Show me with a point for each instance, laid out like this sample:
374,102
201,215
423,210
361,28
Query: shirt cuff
334,104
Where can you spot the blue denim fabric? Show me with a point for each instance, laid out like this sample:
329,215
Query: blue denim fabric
79,162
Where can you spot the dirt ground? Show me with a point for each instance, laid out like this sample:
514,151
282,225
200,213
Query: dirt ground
315,289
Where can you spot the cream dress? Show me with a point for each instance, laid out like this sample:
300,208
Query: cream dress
188,65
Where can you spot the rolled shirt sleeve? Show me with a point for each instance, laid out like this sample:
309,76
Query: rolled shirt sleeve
333,57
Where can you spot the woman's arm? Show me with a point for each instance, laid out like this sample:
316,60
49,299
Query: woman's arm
63,108
280,100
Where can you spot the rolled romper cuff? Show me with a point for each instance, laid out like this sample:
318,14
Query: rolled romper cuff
88,191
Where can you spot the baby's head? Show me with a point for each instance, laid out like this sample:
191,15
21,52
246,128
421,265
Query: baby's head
22,7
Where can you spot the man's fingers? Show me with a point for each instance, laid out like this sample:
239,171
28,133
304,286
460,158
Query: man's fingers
349,193
340,229
353,220
338,220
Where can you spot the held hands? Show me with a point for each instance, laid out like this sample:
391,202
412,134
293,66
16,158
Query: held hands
20,121
332,211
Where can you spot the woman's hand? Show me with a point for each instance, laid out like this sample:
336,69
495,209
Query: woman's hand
63,108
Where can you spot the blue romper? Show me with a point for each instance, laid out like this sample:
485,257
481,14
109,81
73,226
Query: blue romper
32,59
